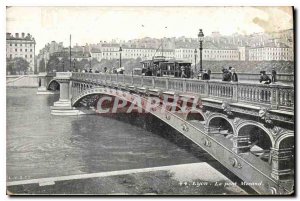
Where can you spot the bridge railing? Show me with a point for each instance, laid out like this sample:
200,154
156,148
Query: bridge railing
281,77
276,96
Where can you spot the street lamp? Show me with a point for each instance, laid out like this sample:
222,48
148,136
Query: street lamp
200,38
195,53
74,63
90,58
120,62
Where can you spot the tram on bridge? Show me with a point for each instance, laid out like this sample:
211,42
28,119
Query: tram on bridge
161,66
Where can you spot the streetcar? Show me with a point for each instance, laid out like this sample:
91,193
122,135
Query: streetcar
160,66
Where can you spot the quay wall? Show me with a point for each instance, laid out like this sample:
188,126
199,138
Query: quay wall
22,81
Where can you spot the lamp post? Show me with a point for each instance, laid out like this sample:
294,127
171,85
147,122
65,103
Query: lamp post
90,58
74,65
120,62
195,52
200,38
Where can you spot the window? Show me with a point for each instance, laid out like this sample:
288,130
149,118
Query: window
10,44
16,45
25,50
26,56
20,50
10,56
31,56
16,50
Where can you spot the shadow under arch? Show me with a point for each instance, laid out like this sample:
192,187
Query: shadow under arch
256,139
53,85
195,115
220,123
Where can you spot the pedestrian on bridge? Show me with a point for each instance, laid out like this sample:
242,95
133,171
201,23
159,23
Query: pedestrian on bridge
234,77
274,75
183,75
230,72
226,75
264,78
205,75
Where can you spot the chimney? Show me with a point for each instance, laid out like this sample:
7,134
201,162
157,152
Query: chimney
23,35
17,35
8,35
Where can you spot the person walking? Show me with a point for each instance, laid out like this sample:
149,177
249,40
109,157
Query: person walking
274,73
183,75
234,77
205,75
230,72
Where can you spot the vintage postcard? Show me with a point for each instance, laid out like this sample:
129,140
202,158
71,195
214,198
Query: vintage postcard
150,100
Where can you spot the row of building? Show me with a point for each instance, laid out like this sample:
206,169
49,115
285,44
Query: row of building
257,47
272,51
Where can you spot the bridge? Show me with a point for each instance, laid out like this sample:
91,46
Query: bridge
247,127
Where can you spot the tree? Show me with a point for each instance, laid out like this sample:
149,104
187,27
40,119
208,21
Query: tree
9,66
83,64
42,66
94,62
18,65
53,64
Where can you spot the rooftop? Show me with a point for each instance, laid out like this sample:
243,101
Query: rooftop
18,36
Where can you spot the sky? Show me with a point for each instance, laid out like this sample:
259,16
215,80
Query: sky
92,24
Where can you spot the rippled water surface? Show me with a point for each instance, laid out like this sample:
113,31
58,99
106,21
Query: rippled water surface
41,145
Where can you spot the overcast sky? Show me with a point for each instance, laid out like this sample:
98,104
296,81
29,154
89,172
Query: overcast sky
92,24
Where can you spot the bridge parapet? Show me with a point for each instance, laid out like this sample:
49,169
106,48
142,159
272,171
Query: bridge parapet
281,77
273,95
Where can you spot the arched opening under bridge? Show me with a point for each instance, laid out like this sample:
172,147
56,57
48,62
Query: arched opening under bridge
196,118
220,125
53,85
256,140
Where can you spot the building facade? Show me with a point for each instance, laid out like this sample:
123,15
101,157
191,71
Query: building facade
21,45
209,54
113,52
271,52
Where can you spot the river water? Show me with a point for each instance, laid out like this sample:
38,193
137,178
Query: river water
42,145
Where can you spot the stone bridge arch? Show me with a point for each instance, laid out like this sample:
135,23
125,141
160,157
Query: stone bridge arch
253,137
218,122
195,114
53,85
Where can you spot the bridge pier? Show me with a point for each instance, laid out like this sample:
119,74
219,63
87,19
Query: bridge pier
281,158
44,79
42,83
64,106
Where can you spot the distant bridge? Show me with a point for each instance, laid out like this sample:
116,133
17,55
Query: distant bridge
247,127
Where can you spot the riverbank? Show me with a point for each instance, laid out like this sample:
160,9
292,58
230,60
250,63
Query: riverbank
184,179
